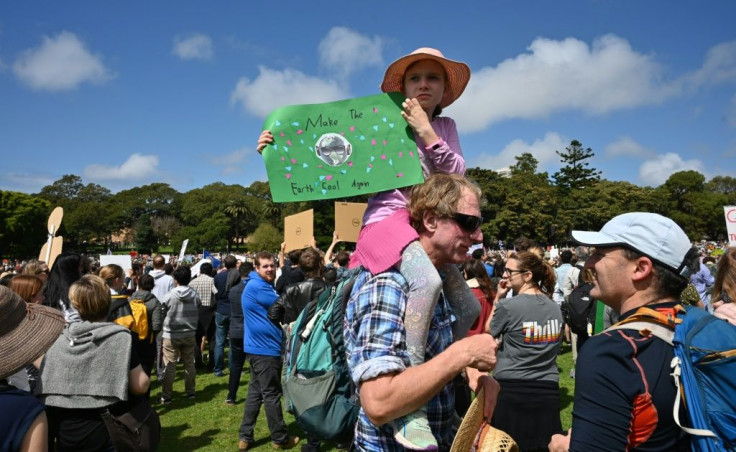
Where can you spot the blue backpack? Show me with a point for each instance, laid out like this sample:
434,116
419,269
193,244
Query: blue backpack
317,384
704,371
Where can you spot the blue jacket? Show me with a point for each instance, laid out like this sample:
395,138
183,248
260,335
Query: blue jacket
261,336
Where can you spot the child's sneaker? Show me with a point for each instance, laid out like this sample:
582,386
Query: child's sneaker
413,432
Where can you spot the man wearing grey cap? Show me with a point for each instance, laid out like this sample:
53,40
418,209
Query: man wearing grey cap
624,393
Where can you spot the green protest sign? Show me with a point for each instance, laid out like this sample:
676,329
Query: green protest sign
340,149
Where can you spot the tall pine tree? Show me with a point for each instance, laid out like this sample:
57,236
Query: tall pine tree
575,172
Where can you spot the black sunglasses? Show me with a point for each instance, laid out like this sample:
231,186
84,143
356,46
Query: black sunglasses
468,223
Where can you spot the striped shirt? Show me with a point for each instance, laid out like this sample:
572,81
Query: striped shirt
375,340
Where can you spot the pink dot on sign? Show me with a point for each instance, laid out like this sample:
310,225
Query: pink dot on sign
293,160
401,154
370,165
400,175
288,142
299,132
319,166
411,153
283,158
352,128
282,134
383,157
328,177
375,110
384,142
373,142
288,175
350,163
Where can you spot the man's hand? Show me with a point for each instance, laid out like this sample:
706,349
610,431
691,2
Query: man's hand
480,351
560,443
480,380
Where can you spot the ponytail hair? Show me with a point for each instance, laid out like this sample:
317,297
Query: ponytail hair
543,275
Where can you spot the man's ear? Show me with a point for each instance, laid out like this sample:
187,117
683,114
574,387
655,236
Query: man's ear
643,268
429,220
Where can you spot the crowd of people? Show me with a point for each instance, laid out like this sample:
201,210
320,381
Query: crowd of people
430,319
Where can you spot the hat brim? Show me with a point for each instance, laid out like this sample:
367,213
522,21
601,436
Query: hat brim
457,72
40,328
473,426
472,423
593,238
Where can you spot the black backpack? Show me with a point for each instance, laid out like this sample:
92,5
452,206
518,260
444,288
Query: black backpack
581,309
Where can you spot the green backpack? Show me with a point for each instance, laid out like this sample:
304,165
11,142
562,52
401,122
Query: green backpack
317,384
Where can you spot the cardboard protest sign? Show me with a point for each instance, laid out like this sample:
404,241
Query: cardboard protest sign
349,220
52,248
340,149
299,230
730,213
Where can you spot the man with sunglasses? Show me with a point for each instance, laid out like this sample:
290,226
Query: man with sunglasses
445,211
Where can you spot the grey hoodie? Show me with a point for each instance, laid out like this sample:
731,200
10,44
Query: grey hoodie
87,367
181,306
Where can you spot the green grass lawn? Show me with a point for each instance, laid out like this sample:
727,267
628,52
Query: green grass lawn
207,423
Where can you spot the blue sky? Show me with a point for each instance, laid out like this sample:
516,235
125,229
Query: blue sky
131,93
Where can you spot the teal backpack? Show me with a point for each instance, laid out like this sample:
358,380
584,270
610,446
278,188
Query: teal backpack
317,384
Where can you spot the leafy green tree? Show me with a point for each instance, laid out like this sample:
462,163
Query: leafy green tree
145,239
525,163
23,224
65,189
265,238
576,172
164,228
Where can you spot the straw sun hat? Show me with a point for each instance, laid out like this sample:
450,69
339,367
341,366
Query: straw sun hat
476,435
26,331
458,73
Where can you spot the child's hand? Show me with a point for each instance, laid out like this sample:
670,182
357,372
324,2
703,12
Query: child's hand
265,139
418,120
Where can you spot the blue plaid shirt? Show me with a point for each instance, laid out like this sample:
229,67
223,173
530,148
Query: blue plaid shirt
375,341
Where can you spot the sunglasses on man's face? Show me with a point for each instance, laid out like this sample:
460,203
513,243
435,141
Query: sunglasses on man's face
468,223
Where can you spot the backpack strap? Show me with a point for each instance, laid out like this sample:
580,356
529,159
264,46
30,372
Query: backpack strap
661,323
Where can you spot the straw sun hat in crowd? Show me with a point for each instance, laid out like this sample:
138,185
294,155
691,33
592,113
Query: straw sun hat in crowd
26,331
458,73
476,435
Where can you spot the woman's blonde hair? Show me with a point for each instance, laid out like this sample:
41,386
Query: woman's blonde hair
111,272
726,276
90,296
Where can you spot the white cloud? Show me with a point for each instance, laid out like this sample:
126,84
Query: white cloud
60,63
232,163
626,146
196,46
730,115
657,170
542,150
272,89
719,66
345,51
137,167
562,75
25,182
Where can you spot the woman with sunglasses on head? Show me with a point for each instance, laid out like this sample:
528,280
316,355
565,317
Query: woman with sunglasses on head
430,83
724,288
528,326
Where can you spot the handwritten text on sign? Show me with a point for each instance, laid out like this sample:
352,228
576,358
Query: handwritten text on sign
340,149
